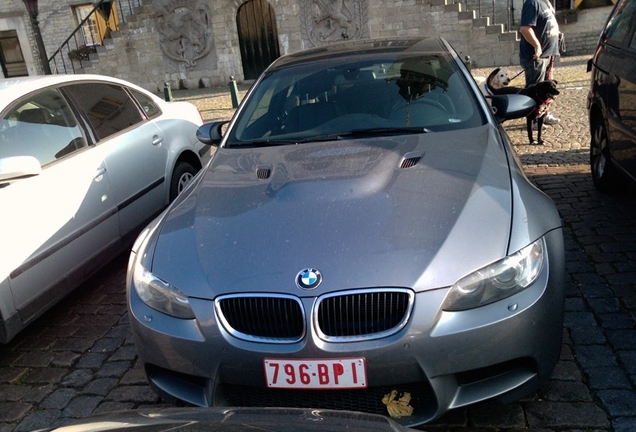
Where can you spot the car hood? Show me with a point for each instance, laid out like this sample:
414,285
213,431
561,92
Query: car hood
418,211
195,419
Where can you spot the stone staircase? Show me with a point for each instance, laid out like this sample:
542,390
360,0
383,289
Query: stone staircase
139,57
480,36
136,52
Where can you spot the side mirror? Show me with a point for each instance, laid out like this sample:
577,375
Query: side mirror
16,167
511,106
211,133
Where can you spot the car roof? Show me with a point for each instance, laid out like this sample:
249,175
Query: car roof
14,88
396,46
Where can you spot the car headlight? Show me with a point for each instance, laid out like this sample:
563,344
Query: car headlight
499,280
160,295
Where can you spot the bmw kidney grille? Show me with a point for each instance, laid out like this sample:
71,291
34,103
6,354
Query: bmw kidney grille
344,316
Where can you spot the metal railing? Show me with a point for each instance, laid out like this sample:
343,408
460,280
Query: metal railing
503,11
499,11
75,51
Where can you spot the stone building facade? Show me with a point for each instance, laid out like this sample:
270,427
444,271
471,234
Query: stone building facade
201,43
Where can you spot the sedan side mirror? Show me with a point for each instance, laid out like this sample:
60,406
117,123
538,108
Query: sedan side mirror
511,106
211,133
16,167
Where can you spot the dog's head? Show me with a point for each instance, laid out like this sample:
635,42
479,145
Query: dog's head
547,89
498,78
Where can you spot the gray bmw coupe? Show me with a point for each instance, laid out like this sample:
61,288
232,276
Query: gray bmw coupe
363,238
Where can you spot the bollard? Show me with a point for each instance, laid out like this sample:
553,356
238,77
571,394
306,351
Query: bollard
234,92
468,62
167,91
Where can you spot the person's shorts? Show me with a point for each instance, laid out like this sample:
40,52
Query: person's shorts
535,69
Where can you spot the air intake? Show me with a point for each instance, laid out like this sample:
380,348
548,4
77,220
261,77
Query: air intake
409,162
263,173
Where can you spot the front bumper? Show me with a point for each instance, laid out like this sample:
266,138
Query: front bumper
444,359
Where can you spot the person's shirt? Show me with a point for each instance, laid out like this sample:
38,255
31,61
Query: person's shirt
539,14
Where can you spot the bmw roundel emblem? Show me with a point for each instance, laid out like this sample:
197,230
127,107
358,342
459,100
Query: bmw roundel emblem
308,279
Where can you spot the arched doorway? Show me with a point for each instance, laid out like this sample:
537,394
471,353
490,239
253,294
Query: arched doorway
258,37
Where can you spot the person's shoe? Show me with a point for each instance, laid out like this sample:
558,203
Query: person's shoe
550,119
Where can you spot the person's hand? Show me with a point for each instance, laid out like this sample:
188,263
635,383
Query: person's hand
537,53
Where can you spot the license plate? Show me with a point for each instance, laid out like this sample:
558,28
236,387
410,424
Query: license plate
316,374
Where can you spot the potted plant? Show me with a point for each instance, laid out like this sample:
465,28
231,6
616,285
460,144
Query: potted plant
82,52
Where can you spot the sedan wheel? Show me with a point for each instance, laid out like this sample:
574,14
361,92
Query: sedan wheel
182,175
600,162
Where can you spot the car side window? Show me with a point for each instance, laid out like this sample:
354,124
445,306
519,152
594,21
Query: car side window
42,126
618,25
108,108
147,104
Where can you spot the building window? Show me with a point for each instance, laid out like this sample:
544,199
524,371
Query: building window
11,58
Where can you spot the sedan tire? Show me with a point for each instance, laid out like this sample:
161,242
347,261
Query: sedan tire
182,175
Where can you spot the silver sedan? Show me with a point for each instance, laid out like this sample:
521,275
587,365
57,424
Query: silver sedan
85,163
363,238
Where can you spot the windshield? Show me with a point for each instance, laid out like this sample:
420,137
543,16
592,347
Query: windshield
342,97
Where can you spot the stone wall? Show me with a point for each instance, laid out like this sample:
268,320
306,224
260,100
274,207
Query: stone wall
582,36
133,54
141,51
298,29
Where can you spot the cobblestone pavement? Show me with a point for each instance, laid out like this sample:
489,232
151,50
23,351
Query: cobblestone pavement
79,359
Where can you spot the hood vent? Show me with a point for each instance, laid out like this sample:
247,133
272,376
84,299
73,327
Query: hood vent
410,160
263,173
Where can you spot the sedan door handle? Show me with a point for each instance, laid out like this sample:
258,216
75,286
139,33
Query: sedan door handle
99,175
156,140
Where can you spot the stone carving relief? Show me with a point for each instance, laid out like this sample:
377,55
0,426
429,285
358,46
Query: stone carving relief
185,29
325,21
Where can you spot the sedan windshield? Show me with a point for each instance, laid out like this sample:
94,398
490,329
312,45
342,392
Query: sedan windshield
334,99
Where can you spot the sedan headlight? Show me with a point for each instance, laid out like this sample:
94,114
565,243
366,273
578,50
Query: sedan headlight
160,295
499,280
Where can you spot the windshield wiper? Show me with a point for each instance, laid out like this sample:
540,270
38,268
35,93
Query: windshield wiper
331,137
388,131
264,143
278,142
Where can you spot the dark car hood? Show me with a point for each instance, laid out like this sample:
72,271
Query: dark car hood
416,211
231,420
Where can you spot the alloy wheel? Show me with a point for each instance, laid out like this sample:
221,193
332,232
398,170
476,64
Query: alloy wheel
600,162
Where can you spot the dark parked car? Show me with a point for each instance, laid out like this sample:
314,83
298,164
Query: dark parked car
231,420
612,100
363,239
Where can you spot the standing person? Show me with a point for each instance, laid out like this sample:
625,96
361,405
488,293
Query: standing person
539,43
